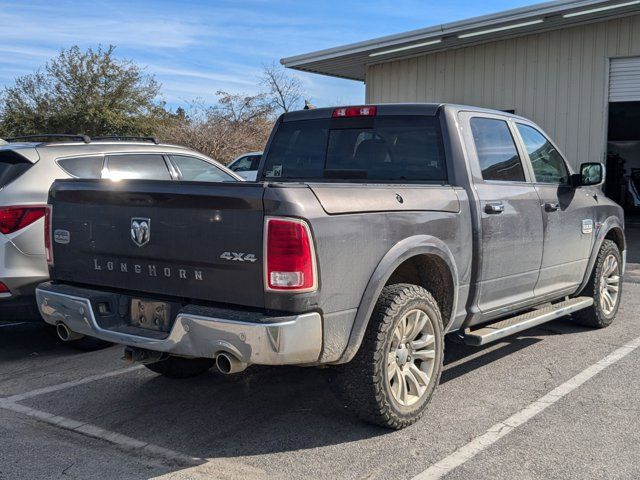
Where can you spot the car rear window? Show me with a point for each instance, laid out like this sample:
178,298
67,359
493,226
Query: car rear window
12,165
372,149
132,166
195,169
83,167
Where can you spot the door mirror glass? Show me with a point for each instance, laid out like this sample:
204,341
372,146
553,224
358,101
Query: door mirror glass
591,174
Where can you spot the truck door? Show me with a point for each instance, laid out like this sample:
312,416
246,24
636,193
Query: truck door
511,220
567,214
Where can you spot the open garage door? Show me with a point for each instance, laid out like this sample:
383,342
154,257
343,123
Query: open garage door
624,81
623,147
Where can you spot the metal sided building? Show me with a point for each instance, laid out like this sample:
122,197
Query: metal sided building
572,66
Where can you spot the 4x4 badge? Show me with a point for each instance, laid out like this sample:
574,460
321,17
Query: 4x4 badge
140,230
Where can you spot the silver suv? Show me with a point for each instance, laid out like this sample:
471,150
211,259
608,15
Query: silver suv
28,167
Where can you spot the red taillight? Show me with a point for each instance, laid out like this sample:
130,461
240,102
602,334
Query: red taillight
363,111
13,219
4,288
48,235
290,262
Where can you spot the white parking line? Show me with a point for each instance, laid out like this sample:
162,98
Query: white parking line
122,441
500,429
198,468
74,383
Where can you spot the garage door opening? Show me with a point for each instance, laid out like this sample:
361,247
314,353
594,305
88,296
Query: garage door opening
623,159
623,147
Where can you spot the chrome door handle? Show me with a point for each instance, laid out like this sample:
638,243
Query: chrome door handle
551,207
494,208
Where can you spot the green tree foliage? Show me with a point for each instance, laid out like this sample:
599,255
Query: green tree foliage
89,92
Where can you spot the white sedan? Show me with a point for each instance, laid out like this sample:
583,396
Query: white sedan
246,165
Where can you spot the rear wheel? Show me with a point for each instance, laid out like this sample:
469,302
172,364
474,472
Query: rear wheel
605,287
180,367
392,377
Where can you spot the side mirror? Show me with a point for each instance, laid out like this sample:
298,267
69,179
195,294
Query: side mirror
591,173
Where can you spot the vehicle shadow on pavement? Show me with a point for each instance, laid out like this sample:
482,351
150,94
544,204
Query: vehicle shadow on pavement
461,359
20,339
264,410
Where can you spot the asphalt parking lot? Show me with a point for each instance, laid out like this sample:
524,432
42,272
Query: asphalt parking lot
558,401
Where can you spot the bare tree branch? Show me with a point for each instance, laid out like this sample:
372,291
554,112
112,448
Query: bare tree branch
284,90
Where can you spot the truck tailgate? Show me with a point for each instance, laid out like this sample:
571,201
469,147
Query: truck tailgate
190,240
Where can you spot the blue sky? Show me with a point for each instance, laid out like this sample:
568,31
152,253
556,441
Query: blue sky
196,47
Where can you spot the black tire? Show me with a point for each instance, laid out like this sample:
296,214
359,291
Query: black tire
363,383
595,316
88,344
180,367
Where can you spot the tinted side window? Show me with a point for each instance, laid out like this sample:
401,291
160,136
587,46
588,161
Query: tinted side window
82,167
130,166
547,163
497,153
195,169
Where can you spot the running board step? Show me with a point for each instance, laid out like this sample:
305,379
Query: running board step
504,328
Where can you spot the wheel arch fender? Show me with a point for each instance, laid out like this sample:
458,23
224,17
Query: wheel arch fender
610,225
402,251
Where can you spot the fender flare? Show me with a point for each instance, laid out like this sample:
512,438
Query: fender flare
403,250
608,225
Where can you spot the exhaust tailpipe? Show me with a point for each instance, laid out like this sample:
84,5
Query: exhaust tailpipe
228,364
66,334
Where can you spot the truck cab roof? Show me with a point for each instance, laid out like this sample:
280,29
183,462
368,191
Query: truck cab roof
396,109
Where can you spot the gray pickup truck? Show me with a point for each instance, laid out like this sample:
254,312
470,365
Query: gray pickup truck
372,232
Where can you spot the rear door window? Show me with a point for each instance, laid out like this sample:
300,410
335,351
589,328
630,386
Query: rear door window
82,167
377,149
496,149
137,166
196,169
12,165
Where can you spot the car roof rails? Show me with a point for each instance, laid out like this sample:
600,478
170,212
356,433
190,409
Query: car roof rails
50,136
125,138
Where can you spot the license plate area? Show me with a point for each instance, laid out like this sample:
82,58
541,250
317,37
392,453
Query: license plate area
150,314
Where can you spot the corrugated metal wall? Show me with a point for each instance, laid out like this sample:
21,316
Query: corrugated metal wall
558,79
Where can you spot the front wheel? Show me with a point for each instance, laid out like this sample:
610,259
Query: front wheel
392,377
605,287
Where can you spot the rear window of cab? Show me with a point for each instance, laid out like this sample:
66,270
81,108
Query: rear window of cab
369,149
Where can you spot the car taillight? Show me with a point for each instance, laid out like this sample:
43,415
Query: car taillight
13,219
48,234
362,111
4,289
290,263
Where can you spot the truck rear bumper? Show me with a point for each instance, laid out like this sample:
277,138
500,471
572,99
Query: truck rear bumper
289,340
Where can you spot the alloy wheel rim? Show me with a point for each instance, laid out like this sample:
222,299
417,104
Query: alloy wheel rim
609,285
411,357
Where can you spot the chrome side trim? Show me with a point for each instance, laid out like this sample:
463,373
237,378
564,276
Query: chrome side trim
292,341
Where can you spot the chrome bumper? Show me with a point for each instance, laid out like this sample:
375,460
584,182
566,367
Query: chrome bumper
285,341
